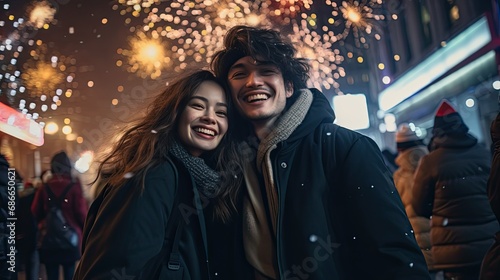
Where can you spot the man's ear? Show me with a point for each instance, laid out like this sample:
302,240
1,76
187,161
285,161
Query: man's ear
289,89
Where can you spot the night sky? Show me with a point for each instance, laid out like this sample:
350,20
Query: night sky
92,35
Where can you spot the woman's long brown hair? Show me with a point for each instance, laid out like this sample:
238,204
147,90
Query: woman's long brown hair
146,143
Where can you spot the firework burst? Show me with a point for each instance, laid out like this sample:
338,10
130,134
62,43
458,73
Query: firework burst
359,18
191,31
40,14
46,80
324,59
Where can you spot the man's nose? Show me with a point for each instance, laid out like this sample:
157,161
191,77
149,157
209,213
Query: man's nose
254,79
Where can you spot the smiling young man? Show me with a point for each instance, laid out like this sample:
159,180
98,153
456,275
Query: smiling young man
319,201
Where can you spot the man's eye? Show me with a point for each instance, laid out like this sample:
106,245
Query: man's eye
237,75
269,71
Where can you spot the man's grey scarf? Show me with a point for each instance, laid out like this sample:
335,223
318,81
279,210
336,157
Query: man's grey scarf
206,179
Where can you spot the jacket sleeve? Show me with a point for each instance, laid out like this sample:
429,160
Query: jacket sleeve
423,189
125,228
382,236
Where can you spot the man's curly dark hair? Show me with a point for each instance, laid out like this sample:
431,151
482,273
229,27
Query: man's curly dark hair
263,45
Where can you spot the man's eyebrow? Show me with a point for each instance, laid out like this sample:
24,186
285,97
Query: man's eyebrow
237,65
206,100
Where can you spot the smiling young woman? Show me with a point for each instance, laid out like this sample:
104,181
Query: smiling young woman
154,180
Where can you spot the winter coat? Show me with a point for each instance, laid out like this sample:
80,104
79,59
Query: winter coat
491,265
407,161
450,185
339,216
74,209
125,229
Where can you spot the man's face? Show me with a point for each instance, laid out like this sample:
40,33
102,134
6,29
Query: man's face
258,90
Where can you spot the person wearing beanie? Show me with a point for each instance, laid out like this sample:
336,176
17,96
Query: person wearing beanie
74,209
410,149
450,185
490,269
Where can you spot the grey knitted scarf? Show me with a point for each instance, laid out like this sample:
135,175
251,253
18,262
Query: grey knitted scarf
206,179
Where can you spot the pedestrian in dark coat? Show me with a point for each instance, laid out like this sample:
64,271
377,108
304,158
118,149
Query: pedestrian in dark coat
74,209
163,187
490,269
320,202
450,186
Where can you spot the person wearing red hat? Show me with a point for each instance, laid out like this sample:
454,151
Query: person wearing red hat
450,186
490,269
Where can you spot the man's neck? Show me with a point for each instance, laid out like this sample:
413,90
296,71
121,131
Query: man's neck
264,127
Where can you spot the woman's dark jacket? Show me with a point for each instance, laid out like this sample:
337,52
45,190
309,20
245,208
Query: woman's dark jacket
491,264
450,185
126,226
340,216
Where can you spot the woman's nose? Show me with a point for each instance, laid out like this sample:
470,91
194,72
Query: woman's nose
208,117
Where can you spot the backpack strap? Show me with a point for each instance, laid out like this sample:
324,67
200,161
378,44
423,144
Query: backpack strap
57,201
173,231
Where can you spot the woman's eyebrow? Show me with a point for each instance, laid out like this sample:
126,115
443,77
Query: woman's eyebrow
206,100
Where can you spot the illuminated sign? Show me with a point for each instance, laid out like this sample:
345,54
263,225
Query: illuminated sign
351,111
17,125
459,48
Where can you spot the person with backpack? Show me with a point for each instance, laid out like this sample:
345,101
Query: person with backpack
60,209
171,174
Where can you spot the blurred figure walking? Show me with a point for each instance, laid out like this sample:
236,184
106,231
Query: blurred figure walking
411,149
27,233
63,187
450,185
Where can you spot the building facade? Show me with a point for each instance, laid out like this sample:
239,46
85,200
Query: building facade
438,49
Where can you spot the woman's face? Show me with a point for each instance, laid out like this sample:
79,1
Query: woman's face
203,123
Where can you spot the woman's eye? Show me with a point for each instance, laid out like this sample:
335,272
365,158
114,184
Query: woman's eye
197,106
221,113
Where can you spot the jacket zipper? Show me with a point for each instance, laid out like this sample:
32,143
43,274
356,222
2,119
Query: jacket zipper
278,223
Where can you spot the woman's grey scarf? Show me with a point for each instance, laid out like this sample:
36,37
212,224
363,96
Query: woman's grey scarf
206,179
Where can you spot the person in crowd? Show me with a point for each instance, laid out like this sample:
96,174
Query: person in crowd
168,168
389,160
27,233
66,189
490,269
8,268
410,149
320,203
450,185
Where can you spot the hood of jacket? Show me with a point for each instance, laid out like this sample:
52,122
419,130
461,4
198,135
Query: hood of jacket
452,141
320,112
